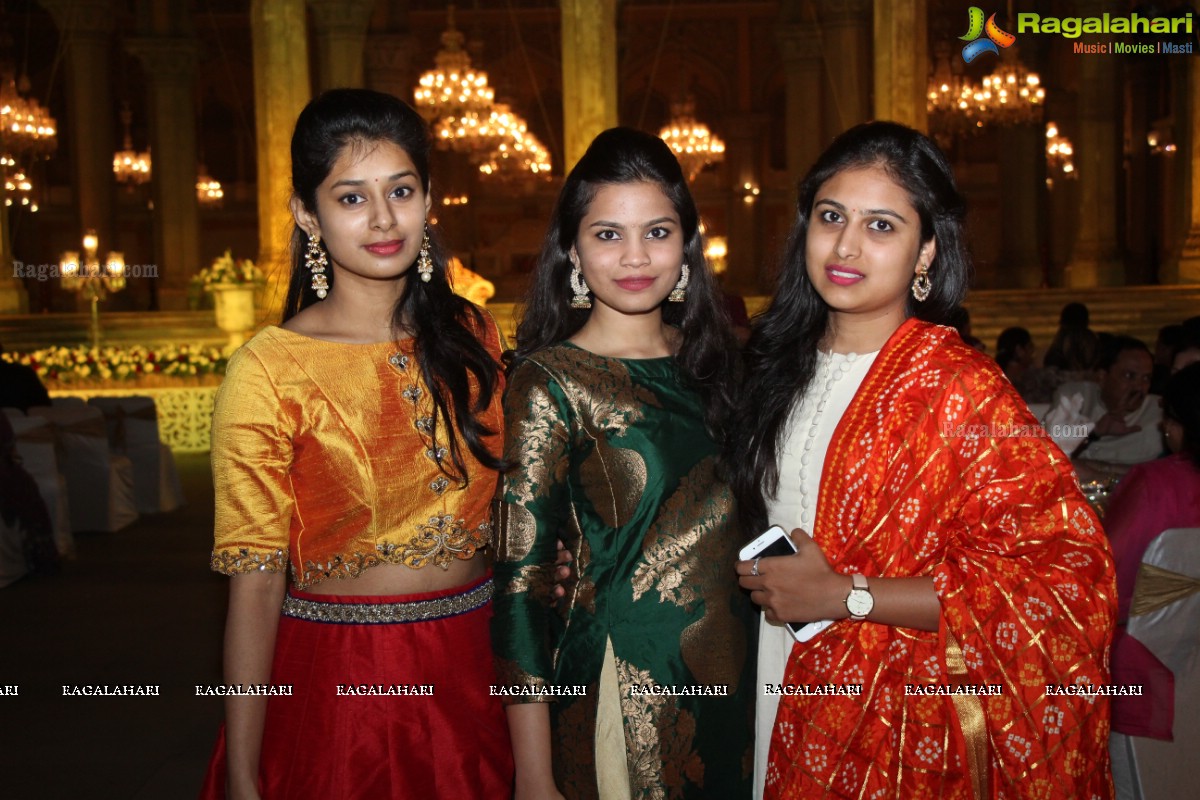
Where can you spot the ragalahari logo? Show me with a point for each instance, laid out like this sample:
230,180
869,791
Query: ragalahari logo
976,28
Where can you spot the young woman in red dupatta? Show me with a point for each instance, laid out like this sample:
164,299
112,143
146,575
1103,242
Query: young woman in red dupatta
943,532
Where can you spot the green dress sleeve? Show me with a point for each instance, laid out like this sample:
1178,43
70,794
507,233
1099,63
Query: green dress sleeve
532,506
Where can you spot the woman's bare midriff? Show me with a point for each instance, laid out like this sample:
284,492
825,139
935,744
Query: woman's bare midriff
391,579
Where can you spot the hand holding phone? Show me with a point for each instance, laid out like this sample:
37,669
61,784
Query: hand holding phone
775,542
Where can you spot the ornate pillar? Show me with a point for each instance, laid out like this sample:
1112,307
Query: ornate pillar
1186,266
745,273
801,49
846,40
589,53
389,66
1022,151
1096,258
86,27
170,66
13,297
341,30
281,89
901,62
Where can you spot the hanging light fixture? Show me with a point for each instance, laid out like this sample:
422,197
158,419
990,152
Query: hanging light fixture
517,153
1058,155
208,189
18,189
1012,95
27,133
26,128
694,144
453,95
130,166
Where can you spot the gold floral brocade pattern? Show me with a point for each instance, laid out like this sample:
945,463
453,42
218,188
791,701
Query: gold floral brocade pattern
612,459
659,736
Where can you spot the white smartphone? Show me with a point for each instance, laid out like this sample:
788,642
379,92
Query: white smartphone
775,542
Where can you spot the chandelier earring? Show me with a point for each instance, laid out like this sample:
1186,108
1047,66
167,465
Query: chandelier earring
424,262
679,293
579,288
315,260
921,285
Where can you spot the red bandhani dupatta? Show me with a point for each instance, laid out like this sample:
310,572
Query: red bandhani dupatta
939,469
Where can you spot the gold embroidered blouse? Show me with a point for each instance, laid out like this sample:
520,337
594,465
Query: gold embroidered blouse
322,456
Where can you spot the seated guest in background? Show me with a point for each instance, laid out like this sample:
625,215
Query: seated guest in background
20,387
1188,352
1168,343
1074,347
1153,497
1123,415
1160,494
960,320
1015,354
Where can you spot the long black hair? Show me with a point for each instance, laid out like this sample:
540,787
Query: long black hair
443,325
707,357
1181,402
781,355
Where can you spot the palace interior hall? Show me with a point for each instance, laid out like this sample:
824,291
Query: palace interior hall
145,228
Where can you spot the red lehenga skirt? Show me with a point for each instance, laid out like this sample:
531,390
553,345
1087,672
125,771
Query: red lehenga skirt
361,723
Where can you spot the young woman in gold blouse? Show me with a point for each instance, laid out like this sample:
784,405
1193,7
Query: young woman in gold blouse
357,444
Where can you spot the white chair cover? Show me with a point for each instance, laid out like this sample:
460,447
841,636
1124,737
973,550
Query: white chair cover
133,431
99,483
1149,769
35,446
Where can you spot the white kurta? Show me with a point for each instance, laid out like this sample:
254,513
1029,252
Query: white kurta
801,459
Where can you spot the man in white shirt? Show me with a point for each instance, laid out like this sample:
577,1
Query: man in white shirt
1123,416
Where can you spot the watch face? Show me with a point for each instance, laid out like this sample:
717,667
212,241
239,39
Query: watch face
860,602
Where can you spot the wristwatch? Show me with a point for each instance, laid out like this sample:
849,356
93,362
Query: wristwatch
860,601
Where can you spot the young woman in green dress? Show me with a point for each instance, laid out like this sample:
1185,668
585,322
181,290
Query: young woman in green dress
638,682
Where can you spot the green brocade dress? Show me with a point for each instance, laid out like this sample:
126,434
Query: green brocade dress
612,456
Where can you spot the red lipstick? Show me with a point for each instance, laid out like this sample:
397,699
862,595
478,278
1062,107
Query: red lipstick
635,284
389,248
842,275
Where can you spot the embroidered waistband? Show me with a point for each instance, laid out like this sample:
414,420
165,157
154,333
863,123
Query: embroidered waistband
383,613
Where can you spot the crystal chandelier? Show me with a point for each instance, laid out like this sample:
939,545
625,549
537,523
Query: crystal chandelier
208,189
1058,155
26,128
453,95
130,166
517,152
695,146
1012,95
18,189
27,131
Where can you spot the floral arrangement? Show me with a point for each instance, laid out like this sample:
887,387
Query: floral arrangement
228,270
142,365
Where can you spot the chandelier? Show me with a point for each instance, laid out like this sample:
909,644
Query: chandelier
27,131
1012,95
17,186
26,128
695,146
516,151
453,95
130,166
1058,155
208,189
